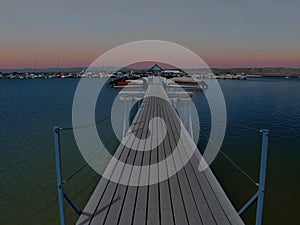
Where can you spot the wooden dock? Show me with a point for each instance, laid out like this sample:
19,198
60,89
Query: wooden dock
159,186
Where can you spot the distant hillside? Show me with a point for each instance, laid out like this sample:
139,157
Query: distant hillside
268,71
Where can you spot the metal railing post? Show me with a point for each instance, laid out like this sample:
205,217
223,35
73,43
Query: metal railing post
262,176
190,119
129,107
184,113
59,176
259,195
124,118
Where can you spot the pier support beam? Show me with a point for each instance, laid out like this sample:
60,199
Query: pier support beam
190,119
259,195
262,176
184,113
59,176
124,118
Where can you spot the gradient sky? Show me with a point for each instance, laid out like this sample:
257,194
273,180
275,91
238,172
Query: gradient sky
228,33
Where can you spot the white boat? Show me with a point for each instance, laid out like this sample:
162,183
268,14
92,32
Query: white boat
186,82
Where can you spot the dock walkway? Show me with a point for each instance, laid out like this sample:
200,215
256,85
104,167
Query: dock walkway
153,181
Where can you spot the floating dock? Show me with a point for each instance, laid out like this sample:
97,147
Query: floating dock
154,181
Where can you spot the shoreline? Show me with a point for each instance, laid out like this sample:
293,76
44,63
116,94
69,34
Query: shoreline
19,76
106,72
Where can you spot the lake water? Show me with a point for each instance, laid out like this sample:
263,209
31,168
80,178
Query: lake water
31,108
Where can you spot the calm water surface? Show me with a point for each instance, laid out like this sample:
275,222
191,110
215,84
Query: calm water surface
31,108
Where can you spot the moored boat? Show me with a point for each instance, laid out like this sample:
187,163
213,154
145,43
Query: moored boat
186,82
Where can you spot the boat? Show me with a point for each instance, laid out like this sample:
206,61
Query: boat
139,74
125,82
186,82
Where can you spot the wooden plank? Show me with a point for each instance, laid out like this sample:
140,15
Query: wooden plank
91,208
204,211
166,206
215,208
153,207
140,212
188,197
227,206
123,189
221,207
127,213
180,214
109,196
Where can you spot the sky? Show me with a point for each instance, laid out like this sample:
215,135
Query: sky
71,33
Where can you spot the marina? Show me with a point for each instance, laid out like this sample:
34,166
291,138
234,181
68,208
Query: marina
134,76
105,72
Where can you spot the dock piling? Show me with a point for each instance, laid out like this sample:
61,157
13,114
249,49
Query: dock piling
259,195
59,176
262,177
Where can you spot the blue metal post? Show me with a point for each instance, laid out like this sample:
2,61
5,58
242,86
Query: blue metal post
248,204
262,177
72,204
59,176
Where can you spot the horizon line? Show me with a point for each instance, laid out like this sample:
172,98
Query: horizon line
214,67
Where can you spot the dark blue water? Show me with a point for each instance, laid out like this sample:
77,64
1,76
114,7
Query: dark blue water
262,103
31,108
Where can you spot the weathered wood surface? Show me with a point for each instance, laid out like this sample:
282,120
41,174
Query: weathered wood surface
187,197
